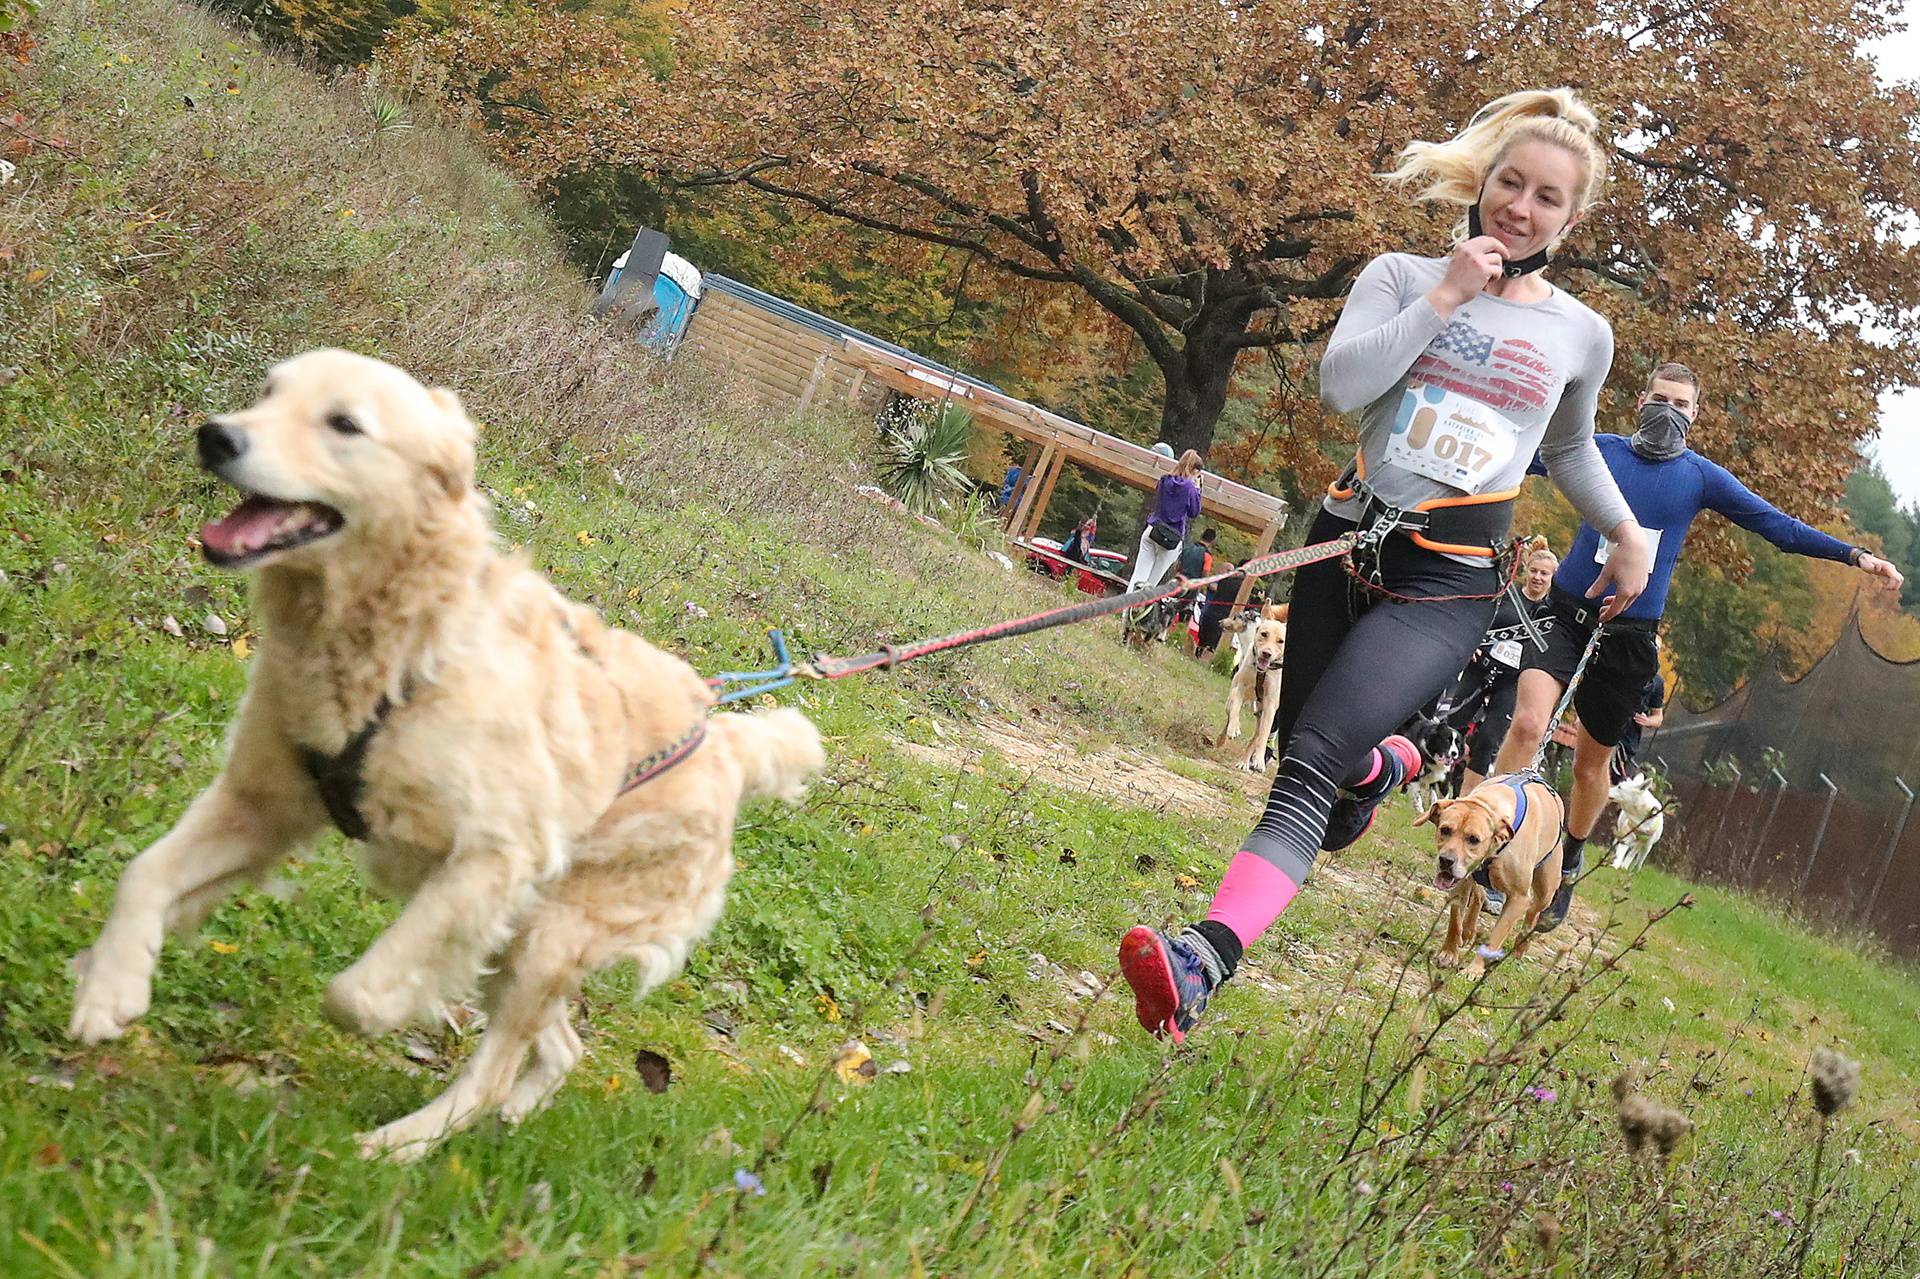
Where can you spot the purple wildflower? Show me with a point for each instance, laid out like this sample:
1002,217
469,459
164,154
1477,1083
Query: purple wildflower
747,1182
1539,1093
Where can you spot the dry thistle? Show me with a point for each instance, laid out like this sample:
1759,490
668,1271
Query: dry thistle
1645,1122
1623,1085
1835,1080
1669,1126
1546,1233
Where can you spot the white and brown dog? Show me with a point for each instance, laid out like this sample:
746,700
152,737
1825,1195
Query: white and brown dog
1512,825
547,793
1262,644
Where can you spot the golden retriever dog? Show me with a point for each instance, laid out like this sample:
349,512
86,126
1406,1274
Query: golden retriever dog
1524,863
473,726
1262,642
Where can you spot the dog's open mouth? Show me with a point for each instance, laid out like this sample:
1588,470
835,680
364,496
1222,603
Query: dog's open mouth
1444,879
260,526
1262,662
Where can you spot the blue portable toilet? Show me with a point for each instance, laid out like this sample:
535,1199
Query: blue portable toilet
676,291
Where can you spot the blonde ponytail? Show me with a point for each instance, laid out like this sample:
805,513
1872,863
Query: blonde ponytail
1453,171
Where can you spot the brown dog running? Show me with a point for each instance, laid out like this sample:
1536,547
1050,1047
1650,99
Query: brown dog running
1523,863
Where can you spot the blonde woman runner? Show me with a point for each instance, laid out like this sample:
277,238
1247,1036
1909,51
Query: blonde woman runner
1455,370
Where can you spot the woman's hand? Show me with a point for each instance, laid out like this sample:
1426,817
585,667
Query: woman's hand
1475,264
1624,575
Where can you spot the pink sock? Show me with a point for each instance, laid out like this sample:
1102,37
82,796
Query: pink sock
1373,767
1251,896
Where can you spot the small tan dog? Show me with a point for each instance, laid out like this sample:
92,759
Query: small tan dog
482,733
1522,853
1262,642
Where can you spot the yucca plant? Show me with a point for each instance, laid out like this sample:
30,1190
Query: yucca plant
920,458
388,116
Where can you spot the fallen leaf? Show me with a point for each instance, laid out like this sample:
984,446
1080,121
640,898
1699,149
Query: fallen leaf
214,623
48,1155
241,649
171,626
583,537
853,1063
222,947
656,1072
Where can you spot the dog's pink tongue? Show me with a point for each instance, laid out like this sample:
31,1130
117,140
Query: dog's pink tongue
250,526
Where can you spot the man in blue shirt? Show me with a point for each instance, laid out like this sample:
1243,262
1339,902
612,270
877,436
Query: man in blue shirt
1666,484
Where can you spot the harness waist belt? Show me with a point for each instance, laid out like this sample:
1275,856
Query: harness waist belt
1585,612
1466,525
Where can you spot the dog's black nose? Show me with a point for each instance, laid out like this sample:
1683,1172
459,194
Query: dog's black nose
220,444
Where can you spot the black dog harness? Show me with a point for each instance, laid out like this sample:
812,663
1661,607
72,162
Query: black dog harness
340,778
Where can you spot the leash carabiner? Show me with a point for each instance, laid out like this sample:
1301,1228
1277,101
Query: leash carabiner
778,676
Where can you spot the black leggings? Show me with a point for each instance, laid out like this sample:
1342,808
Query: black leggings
1358,667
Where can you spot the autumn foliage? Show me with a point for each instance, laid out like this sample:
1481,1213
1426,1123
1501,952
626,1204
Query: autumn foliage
1203,172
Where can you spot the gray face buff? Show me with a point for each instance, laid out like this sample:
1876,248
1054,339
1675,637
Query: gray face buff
1662,432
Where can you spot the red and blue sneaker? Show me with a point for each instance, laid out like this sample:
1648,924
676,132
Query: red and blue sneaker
1354,810
1170,986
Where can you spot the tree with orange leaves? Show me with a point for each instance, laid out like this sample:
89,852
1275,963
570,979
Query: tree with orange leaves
1204,171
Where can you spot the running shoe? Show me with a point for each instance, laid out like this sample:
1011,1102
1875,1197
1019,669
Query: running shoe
1170,986
1556,912
1354,810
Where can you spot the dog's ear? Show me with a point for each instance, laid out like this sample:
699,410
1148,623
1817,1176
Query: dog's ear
449,403
452,463
1502,833
1431,815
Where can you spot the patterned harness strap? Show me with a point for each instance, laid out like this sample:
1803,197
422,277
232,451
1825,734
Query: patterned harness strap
665,758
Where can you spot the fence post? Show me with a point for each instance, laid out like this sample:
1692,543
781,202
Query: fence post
1886,860
1820,834
1753,855
1733,796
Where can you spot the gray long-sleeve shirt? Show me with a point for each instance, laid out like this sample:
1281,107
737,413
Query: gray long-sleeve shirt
1461,405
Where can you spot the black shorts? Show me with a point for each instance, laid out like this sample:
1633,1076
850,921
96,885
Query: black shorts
1614,688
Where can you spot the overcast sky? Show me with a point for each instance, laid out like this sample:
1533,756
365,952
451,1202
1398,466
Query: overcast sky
1899,445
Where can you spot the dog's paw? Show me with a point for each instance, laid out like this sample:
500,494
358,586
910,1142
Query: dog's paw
1475,970
108,1001
1233,732
395,1143
357,1002
1446,959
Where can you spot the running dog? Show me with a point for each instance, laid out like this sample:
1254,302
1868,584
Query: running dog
1511,825
547,793
1262,644
1443,748
1638,825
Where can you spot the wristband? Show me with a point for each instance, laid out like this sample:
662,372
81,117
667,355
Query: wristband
1854,555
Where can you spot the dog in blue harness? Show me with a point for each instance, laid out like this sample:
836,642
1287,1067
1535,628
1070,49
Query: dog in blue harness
1504,836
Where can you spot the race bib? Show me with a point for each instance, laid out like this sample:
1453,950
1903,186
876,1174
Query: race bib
1445,436
1507,653
1605,548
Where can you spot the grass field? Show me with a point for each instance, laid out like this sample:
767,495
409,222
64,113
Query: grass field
949,896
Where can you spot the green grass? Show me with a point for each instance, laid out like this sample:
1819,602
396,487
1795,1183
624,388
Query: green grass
941,908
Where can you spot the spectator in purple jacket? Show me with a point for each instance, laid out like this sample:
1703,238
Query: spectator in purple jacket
1175,501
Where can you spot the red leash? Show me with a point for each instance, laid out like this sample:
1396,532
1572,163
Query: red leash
894,655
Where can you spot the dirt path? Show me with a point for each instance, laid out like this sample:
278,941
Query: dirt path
1142,780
